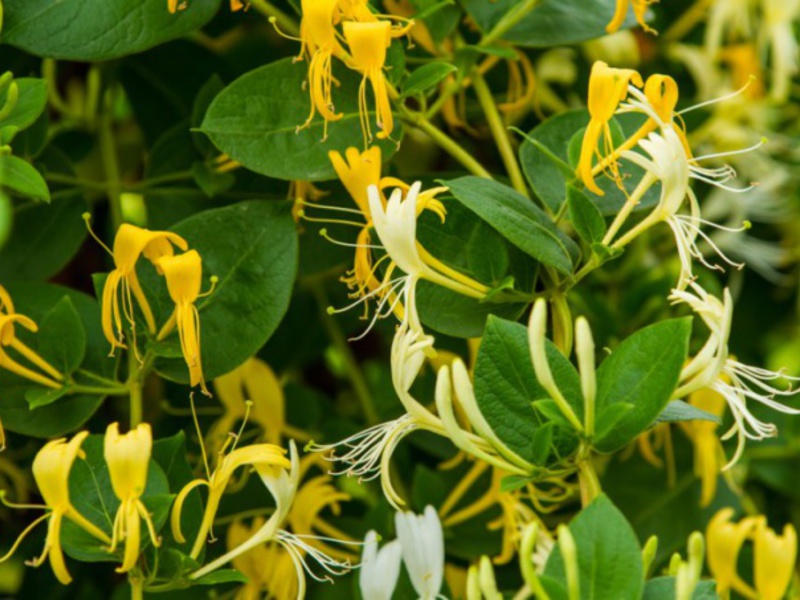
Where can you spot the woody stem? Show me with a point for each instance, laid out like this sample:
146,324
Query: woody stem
499,133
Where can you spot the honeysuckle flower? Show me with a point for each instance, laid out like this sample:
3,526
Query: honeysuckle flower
357,10
257,564
319,45
725,539
51,469
380,569
422,545
368,452
774,557
621,12
130,244
358,171
8,320
184,275
728,20
175,5
608,87
128,460
258,456
301,193
738,383
368,43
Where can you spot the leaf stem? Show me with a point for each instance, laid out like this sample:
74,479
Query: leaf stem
336,336
500,133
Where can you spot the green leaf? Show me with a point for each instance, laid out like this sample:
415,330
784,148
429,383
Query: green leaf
426,76
40,396
609,557
62,340
6,220
252,248
550,23
21,178
35,300
92,495
505,386
643,371
585,216
255,121
87,30
678,411
663,588
609,417
221,576
518,219
31,103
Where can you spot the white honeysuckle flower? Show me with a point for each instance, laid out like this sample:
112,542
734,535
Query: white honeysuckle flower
380,569
368,453
584,351
714,368
728,19
667,162
396,225
422,544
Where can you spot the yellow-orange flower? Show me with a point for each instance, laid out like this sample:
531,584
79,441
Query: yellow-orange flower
130,243
608,87
725,539
775,557
709,456
184,275
368,43
128,460
319,44
51,469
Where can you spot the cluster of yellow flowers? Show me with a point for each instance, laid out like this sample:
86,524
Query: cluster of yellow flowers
128,460
184,276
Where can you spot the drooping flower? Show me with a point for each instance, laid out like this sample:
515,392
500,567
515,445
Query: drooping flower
778,30
621,12
725,539
51,469
259,456
184,275
130,244
368,43
319,45
8,320
380,569
422,545
775,557
128,460
608,87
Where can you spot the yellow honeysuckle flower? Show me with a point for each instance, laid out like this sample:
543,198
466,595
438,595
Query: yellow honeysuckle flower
319,44
184,275
260,456
621,12
746,69
419,32
607,88
130,243
368,43
521,88
724,540
301,193
357,171
128,460
8,319
51,469
709,456
774,560
175,5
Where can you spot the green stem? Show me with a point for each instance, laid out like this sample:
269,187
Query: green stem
156,181
287,24
509,20
587,477
137,371
447,144
99,186
109,155
500,133
354,371
137,586
100,391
